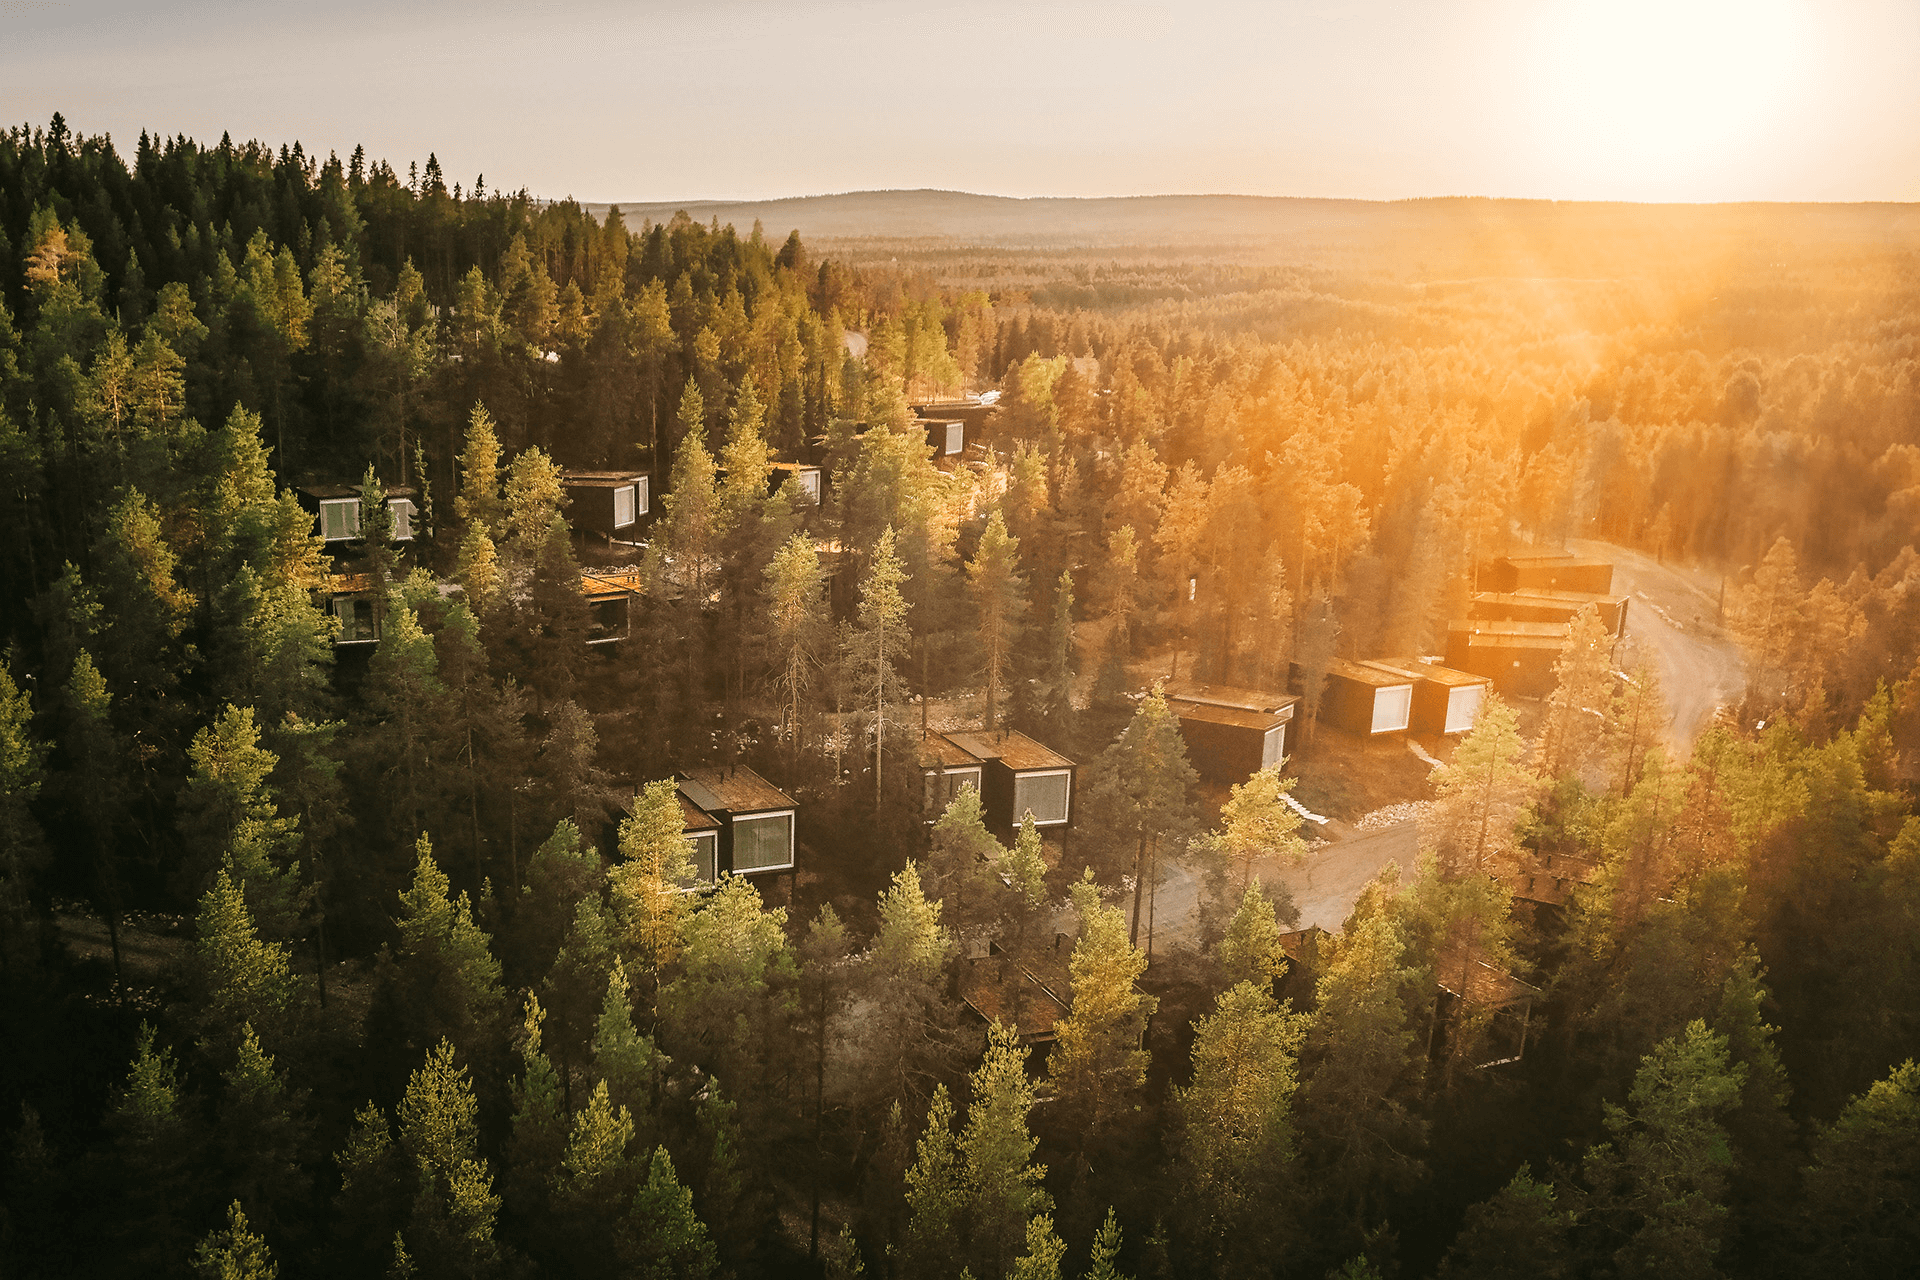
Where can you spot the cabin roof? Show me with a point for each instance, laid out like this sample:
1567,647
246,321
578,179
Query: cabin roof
1361,673
599,585
732,789
938,751
1431,672
349,584
328,491
1237,718
693,817
1556,560
1234,696
599,479
1015,750
795,466
988,987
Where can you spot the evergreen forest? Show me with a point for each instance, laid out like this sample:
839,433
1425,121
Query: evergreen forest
320,958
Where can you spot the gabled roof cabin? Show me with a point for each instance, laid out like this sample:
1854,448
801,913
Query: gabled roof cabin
756,818
1231,733
1532,605
1444,700
1019,776
611,504
1517,656
1365,700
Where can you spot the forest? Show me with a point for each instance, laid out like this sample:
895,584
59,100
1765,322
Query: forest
378,959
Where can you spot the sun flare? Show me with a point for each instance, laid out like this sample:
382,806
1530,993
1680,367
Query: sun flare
1645,98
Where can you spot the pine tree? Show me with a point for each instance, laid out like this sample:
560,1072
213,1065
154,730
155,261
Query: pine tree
1236,1134
1002,1183
1860,1186
1517,1234
1256,822
538,1140
649,881
1098,1066
1101,1262
260,1135
453,1215
661,1237
627,1062
479,502
798,630
961,870
235,1253
242,980
23,851
882,639
156,1147
999,594
228,806
1480,796
1583,693
1250,951
442,983
1137,797
936,1196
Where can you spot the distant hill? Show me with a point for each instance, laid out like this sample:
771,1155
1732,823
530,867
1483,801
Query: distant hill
1053,222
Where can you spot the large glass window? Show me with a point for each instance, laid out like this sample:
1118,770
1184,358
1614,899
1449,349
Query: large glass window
704,846
956,437
606,620
1273,746
943,787
1042,794
810,485
356,619
402,510
642,499
763,843
340,519
624,500
1463,707
1391,708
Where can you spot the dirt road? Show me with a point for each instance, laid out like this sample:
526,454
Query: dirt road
1324,890
1672,622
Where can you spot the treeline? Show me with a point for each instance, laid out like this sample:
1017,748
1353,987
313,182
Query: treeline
396,973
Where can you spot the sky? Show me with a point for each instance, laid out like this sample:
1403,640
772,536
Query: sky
1658,100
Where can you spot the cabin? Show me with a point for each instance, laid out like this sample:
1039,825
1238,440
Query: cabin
970,414
1019,776
809,479
1025,994
1365,700
1518,657
1444,700
1550,571
1548,606
336,510
947,437
349,599
1231,733
609,605
1465,980
755,818
607,504
702,834
945,767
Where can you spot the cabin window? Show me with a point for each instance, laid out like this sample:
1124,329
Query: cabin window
625,499
956,437
1391,707
1044,795
704,848
810,485
402,511
340,519
1463,707
606,620
356,619
763,842
1273,746
943,787
642,495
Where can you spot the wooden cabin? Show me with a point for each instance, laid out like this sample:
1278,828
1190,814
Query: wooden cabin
1444,700
1517,656
1019,776
945,767
610,599
607,504
1366,700
1466,981
971,414
349,598
336,510
947,437
755,818
1026,996
1231,733
1550,571
809,479
1548,606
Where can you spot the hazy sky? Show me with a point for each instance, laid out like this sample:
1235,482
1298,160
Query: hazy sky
640,101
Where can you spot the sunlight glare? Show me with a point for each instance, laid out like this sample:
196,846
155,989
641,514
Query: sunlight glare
1645,99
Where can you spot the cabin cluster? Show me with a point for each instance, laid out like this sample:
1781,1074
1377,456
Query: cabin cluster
1514,631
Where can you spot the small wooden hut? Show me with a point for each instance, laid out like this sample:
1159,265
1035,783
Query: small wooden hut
1231,733
756,818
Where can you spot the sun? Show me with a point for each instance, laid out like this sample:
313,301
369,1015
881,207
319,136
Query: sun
1664,99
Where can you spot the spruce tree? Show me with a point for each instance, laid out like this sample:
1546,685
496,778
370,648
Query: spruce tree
1002,1186
999,597
1098,1065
